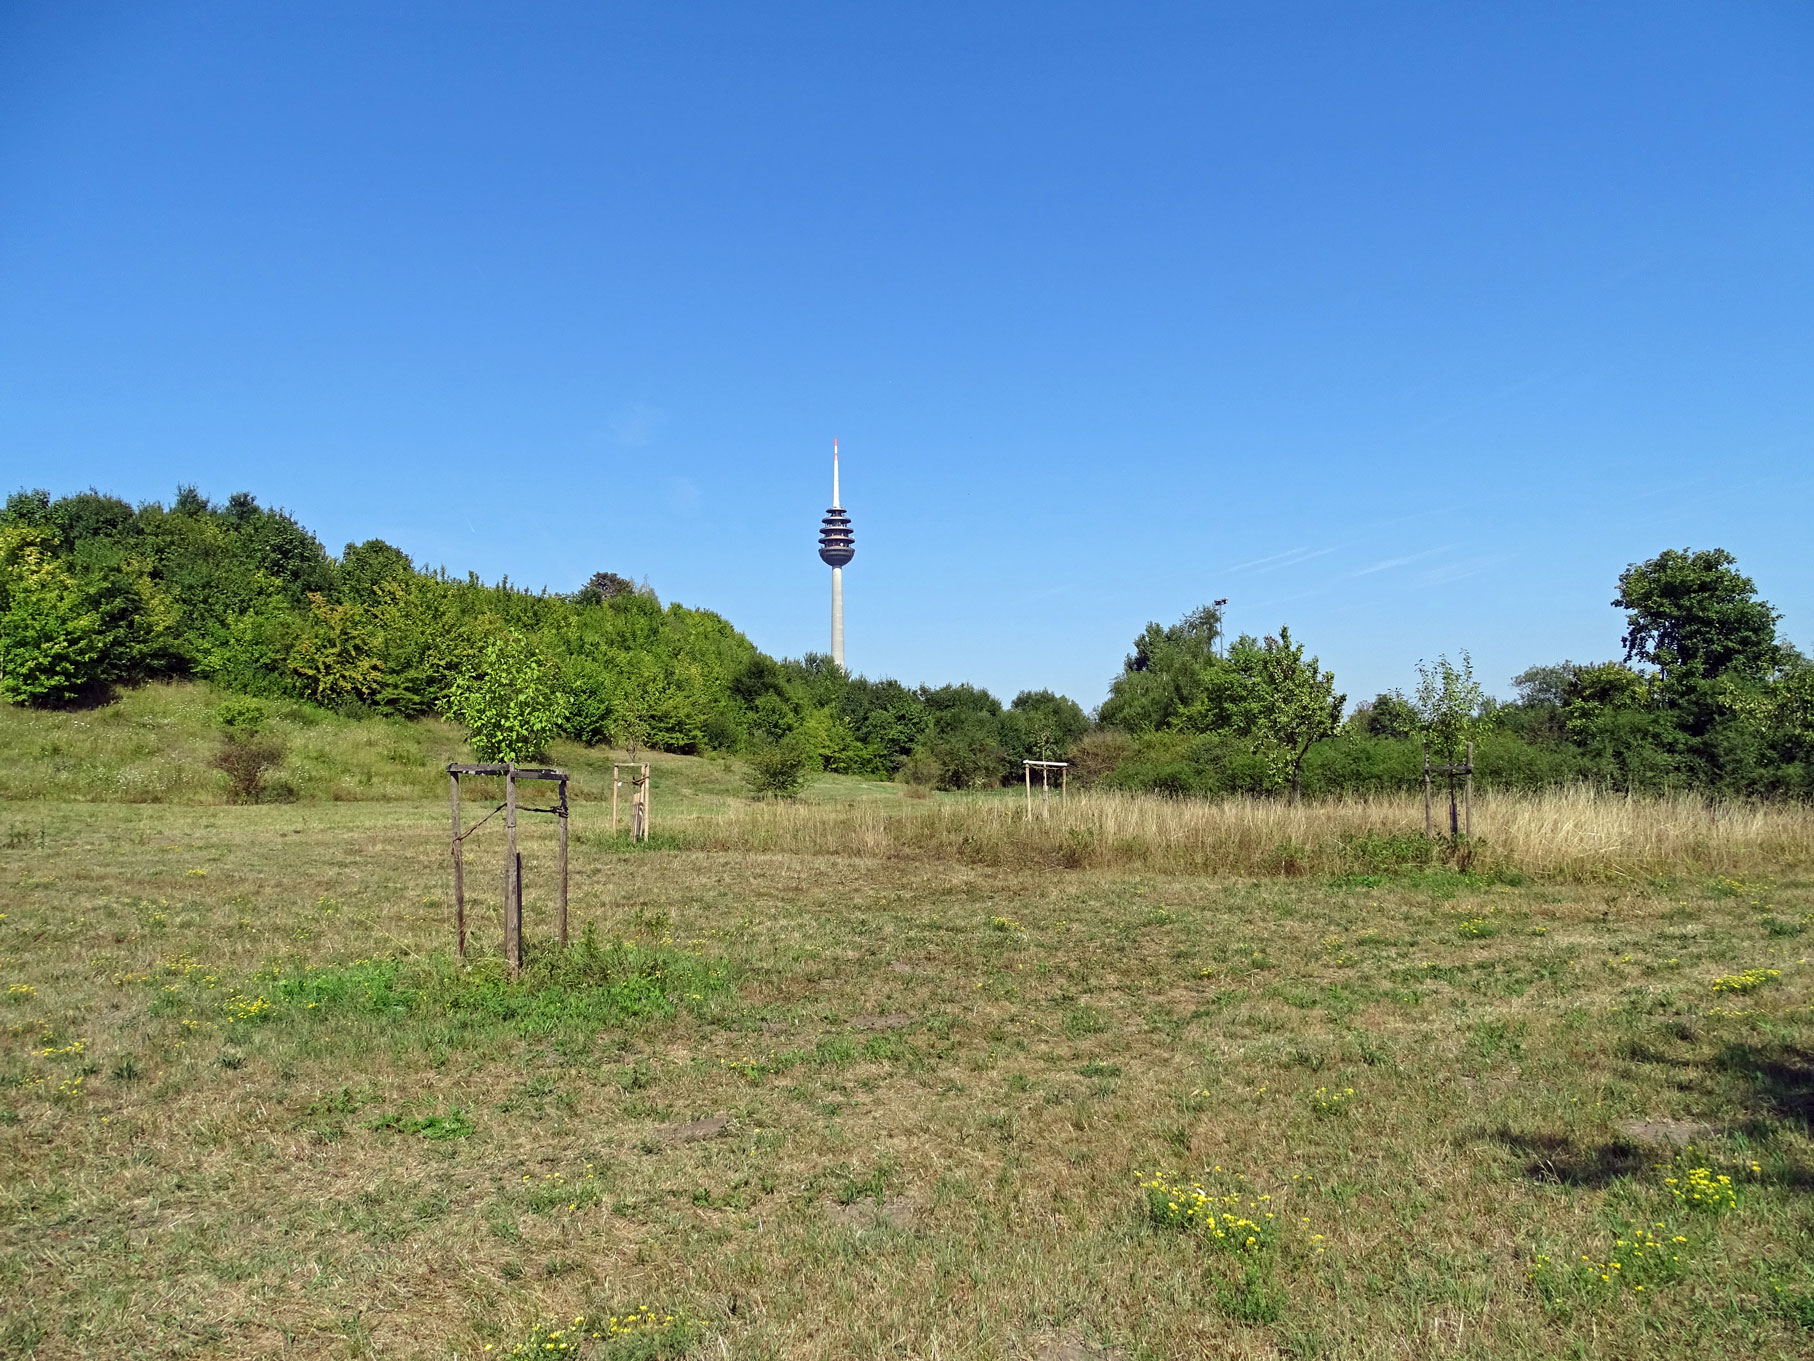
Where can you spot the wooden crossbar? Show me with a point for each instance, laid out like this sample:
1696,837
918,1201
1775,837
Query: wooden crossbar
521,772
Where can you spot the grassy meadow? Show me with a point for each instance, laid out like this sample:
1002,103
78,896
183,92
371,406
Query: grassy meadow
872,1075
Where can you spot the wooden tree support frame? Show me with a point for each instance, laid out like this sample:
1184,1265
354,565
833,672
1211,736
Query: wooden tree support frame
1461,822
513,861
1045,769
639,797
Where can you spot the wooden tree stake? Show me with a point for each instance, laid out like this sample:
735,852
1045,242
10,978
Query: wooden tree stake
563,817
1427,829
513,879
459,865
1469,795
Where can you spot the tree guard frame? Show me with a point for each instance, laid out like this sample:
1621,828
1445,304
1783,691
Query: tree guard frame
513,861
639,797
1461,823
1045,784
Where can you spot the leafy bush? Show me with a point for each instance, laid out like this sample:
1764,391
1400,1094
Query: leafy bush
53,638
920,771
242,714
778,770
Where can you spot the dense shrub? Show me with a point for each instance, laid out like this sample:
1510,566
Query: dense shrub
777,770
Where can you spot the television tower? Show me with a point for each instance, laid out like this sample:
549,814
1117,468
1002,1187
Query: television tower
837,546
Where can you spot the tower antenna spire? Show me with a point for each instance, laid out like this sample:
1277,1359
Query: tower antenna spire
836,503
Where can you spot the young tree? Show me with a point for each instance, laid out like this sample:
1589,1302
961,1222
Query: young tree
1268,694
508,701
1449,702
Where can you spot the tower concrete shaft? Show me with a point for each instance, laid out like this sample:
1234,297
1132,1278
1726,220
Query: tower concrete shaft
837,616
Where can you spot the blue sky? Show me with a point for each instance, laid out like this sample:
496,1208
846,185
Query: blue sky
1408,325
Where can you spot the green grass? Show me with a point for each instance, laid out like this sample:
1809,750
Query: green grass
153,744
785,1103
251,1104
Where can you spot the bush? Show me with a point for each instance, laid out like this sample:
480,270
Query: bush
242,715
920,771
245,758
778,770
1097,754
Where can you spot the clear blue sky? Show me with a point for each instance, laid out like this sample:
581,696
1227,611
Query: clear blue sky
1408,325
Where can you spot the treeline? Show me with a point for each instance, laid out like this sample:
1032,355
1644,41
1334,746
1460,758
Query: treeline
95,593
1706,696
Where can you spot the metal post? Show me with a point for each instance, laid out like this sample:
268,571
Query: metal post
563,906
459,866
1064,786
1045,792
615,782
513,879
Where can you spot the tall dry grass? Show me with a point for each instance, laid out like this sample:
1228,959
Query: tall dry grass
1577,834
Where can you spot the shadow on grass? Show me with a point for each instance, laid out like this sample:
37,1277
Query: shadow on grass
1775,1082
1559,1159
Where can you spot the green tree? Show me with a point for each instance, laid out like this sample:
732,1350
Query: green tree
1782,708
1042,726
1388,715
1695,617
1268,694
63,633
778,770
1165,674
508,701
52,642
1449,702
336,658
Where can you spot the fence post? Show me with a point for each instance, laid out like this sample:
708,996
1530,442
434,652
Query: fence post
1028,771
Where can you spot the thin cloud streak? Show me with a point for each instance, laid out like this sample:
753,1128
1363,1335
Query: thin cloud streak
1290,558
1391,563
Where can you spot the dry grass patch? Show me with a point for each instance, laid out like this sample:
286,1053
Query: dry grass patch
395,1156
1574,834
